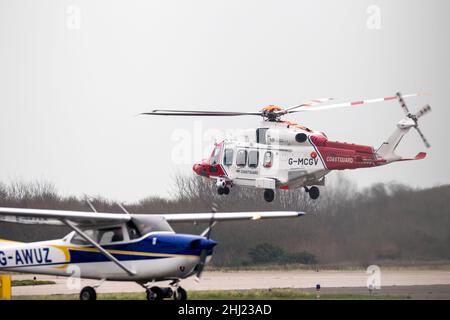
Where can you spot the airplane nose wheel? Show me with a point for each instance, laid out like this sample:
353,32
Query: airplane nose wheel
88,293
180,294
269,195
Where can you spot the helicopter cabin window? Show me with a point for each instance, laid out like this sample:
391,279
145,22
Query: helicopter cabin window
268,158
228,157
253,158
261,135
241,158
108,235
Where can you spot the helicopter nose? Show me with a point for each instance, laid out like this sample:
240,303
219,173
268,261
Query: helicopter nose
199,169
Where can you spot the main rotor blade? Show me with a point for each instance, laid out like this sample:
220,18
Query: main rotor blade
310,103
353,103
199,113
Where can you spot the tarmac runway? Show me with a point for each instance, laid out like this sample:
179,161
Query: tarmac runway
419,284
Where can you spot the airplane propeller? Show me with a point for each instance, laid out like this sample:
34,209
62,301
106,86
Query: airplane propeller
204,252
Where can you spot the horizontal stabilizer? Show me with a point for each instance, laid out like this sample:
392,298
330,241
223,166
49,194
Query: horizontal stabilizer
419,156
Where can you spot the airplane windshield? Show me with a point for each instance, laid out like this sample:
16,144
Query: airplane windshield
147,223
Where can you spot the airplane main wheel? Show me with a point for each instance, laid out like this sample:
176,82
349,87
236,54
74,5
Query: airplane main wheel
220,191
314,193
269,195
155,294
226,190
180,294
88,293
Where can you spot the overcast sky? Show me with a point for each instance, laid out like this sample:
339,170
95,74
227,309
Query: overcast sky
74,74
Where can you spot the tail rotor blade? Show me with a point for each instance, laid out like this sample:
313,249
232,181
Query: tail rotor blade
402,103
425,141
423,111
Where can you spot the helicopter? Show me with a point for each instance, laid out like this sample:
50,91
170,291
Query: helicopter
284,155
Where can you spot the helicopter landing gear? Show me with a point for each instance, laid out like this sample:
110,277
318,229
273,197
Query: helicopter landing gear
269,195
313,192
88,293
223,190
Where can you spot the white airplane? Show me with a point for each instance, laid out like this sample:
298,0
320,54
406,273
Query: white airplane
142,248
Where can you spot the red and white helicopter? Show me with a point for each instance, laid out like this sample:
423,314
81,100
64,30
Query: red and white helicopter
285,155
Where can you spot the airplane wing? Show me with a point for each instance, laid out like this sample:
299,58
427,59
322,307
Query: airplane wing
57,217
224,216
85,219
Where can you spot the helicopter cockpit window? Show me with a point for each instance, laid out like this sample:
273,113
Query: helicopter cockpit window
253,158
228,157
215,155
241,158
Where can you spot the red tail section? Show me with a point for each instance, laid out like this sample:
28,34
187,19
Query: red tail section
340,155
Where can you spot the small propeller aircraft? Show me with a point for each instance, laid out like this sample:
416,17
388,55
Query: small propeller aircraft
142,248
285,155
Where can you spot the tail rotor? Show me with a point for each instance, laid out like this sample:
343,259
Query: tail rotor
415,117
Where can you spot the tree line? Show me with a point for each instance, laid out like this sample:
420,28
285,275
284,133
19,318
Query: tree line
381,223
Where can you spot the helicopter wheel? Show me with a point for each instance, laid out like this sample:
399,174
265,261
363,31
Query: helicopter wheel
314,193
269,195
220,191
226,190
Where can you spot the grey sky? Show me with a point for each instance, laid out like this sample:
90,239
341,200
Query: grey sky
69,96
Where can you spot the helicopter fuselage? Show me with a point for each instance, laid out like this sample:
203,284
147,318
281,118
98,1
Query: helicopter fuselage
282,155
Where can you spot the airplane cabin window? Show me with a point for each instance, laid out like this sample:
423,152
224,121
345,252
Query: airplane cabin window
77,239
228,157
110,235
253,158
241,158
133,232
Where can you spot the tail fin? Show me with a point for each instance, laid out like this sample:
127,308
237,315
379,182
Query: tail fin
387,149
